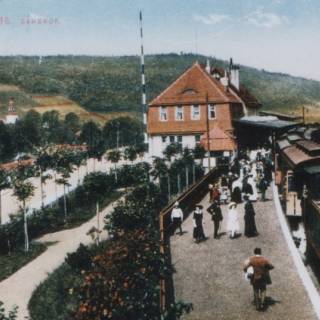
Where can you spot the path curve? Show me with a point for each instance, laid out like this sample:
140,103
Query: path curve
18,288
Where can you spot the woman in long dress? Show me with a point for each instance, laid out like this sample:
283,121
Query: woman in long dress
233,225
198,233
250,229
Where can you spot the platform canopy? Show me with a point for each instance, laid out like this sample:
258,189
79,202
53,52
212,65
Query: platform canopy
267,122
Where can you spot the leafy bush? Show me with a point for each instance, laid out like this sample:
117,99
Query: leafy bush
79,260
12,315
124,283
139,210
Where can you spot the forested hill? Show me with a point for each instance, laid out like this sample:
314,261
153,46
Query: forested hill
107,84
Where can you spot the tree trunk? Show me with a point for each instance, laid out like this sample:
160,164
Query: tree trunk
169,188
98,223
179,184
26,236
115,172
65,203
194,173
0,208
55,186
41,191
187,176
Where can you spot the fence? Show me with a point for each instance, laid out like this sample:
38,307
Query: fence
187,200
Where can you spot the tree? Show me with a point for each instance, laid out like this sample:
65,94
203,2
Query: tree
72,121
188,161
172,150
130,153
63,159
7,147
4,184
12,315
123,131
79,158
199,152
97,184
23,190
43,162
114,156
160,170
92,136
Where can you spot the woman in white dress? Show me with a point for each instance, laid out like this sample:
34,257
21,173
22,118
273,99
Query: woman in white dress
253,183
233,224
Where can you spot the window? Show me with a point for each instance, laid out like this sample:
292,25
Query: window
212,111
179,139
171,139
197,137
179,113
164,139
163,114
195,112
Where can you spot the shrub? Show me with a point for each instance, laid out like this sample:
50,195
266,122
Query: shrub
79,260
12,315
124,283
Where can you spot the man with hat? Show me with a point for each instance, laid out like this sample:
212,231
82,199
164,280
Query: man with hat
177,217
216,216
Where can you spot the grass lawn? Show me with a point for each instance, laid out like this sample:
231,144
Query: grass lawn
9,264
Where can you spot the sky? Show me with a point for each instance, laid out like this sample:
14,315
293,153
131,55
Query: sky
275,35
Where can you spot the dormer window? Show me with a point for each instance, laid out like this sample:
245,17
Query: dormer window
189,91
195,112
163,114
212,111
179,113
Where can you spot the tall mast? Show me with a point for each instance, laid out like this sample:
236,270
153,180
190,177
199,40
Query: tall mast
143,83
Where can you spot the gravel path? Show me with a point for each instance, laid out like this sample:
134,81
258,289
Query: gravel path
210,274
18,288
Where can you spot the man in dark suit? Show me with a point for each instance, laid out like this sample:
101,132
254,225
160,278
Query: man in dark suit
260,276
216,216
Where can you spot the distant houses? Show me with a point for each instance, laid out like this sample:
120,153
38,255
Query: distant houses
199,108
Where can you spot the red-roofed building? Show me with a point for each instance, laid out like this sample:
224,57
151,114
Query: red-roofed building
200,99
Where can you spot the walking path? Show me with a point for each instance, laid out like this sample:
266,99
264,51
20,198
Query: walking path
210,274
18,288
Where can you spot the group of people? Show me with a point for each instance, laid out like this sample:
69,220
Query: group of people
248,176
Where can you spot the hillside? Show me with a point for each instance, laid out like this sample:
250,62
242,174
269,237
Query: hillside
112,84
42,103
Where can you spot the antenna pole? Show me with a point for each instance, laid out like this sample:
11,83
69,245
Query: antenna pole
143,82
208,134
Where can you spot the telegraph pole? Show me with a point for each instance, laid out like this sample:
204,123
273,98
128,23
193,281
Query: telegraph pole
143,83
208,134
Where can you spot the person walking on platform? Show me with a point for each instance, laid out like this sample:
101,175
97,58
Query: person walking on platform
198,233
176,218
214,193
263,186
259,276
216,216
250,229
233,225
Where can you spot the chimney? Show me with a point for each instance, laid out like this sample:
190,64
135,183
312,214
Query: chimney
208,67
225,79
234,75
